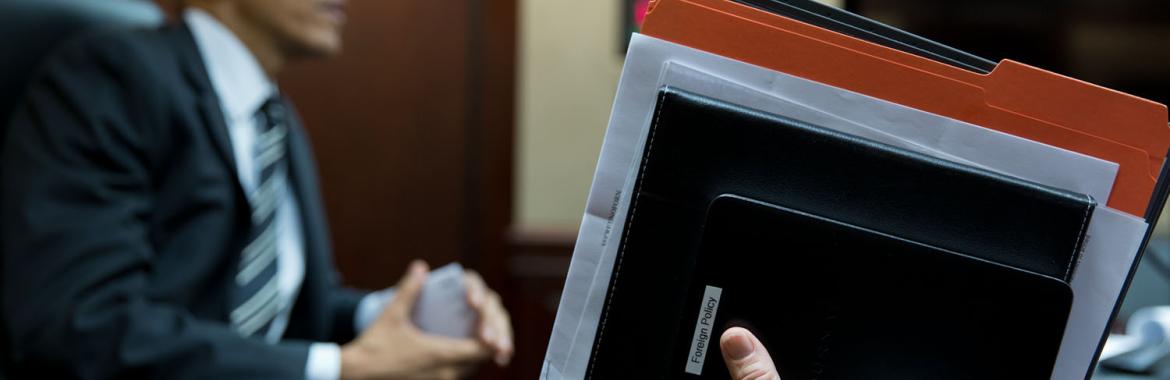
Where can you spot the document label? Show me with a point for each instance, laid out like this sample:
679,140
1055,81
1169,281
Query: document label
704,330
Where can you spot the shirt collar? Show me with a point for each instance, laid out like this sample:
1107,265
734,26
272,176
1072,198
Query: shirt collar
236,76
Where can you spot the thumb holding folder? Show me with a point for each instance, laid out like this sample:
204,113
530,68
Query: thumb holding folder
746,357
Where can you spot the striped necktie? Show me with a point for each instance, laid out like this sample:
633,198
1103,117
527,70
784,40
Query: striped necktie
255,302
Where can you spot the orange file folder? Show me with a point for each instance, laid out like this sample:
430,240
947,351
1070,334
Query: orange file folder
1014,98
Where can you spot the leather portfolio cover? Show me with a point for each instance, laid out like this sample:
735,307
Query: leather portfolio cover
1014,98
836,301
699,149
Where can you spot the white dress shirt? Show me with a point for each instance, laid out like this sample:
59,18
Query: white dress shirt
243,87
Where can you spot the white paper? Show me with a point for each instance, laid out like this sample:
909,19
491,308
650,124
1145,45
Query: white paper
1066,173
1111,245
441,307
646,70
897,125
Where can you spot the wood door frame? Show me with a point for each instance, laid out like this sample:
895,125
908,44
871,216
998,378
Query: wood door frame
490,130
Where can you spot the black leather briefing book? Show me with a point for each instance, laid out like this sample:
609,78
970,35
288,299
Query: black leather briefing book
976,222
836,301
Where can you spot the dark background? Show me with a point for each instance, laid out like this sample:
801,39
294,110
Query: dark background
1120,44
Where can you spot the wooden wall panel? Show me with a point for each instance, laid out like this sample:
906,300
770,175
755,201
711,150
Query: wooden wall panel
389,120
413,127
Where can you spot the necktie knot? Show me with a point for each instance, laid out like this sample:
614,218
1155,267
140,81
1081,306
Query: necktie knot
273,111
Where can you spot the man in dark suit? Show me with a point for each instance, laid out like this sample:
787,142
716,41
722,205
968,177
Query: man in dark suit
161,217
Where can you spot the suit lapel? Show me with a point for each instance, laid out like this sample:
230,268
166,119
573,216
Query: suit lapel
302,168
213,119
210,113
209,104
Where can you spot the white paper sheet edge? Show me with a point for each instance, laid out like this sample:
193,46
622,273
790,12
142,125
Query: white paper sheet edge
1111,245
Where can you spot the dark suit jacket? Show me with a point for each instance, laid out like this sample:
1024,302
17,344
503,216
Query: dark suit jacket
123,220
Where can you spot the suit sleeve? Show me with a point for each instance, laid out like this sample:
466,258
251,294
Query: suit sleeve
345,304
339,302
77,185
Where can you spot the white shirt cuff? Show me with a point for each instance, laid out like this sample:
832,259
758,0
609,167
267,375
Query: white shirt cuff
324,362
370,307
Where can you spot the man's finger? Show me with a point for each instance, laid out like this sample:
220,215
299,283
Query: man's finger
477,297
452,350
503,324
494,328
408,290
494,318
746,358
476,289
